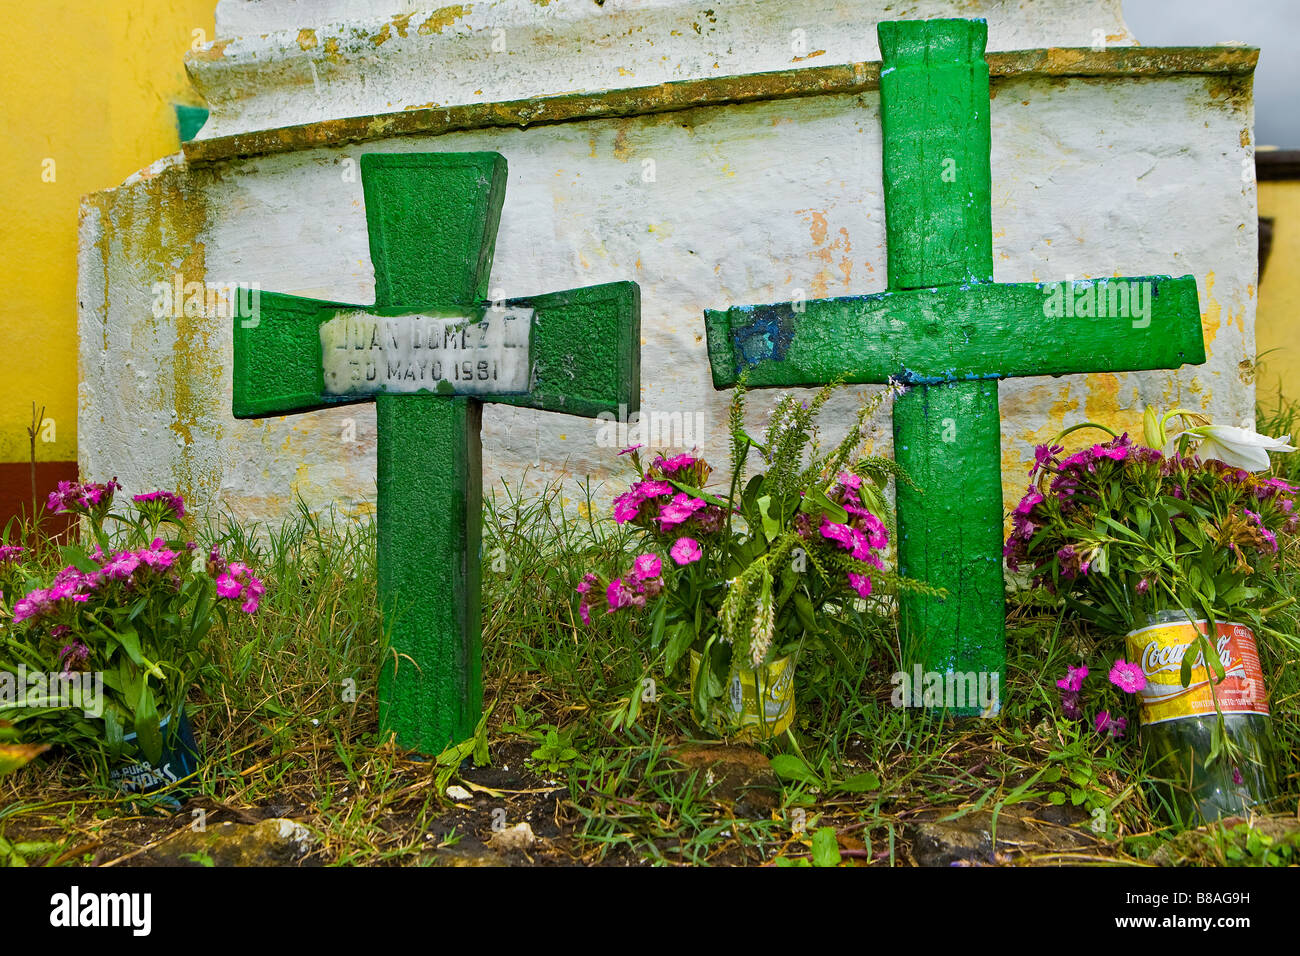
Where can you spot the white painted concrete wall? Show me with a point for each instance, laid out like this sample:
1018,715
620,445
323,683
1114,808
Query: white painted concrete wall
749,203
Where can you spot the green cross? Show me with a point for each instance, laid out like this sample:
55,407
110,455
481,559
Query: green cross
948,332
429,353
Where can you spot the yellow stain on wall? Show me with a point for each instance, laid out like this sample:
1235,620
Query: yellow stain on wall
1277,321
86,96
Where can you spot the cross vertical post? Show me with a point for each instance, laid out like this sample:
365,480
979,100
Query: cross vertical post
948,333
429,353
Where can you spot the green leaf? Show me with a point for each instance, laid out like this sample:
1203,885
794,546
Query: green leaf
681,636
657,625
76,556
860,783
791,767
1056,798
147,733
825,848
815,502
804,610
697,493
771,527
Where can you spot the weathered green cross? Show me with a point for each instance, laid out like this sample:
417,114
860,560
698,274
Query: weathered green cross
429,353
948,332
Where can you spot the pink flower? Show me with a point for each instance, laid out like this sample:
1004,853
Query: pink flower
630,448
627,506
646,566
850,481
122,565
158,556
1127,677
36,603
652,489
620,595
860,583
1073,680
1032,497
678,510
676,463
839,533
238,581
228,587
1043,456
10,551
685,551
170,502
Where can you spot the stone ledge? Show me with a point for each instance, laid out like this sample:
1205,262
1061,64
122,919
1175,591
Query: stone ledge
711,91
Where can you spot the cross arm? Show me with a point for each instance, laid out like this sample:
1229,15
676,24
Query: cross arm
585,349
961,332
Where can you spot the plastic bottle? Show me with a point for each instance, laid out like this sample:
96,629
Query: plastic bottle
1178,722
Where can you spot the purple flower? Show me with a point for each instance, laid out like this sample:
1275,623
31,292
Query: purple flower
236,582
1071,562
1032,497
1070,704
1115,726
1044,455
10,551
73,656
627,506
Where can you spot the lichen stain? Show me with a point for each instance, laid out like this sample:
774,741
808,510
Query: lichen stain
622,151
332,50
443,17
402,22
1212,318
1018,406
306,39
160,222
383,36
217,51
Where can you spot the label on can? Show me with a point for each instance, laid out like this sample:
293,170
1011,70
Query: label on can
1159,650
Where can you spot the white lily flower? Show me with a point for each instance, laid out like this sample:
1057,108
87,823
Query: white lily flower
1235,447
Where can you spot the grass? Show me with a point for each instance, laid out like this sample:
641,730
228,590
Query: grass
286,718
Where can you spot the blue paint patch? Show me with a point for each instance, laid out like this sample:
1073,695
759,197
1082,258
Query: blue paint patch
909,377
766,337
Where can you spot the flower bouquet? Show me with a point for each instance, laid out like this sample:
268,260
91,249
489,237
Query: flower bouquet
98,656
1175,546
739,582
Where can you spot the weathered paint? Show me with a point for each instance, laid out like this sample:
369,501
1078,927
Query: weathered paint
581,212
494,51
432,225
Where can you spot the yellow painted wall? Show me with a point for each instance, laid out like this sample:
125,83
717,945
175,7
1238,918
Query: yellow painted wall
89,86
1278,319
